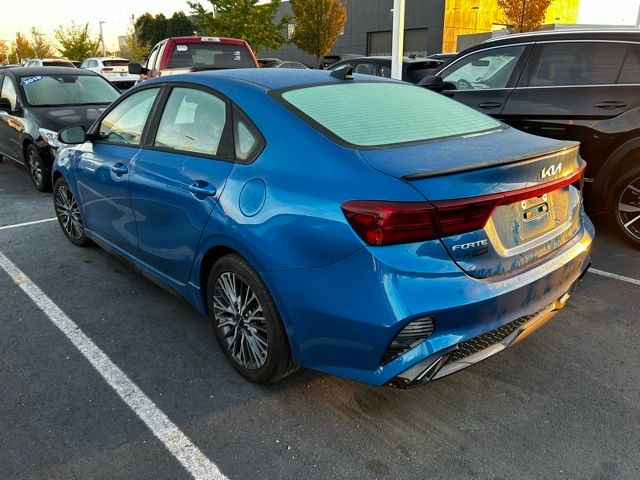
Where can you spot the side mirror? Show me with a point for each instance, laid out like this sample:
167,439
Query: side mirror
436,84
5,105
137,69
73,135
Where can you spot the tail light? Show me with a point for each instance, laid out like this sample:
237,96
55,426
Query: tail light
106,70
380,222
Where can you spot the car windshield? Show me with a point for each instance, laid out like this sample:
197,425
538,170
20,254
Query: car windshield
374,114
210,55
115,63
67,89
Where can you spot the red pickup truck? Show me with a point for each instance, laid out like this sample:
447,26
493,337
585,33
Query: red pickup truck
191,54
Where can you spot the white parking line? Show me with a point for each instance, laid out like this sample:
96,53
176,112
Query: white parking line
614,276
191,458
16,225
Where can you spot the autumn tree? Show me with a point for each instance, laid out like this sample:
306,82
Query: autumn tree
247,19
75,41
524,15
135,48
4,52
22,49
318,25
41,46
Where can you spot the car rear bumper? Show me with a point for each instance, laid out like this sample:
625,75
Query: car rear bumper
342,318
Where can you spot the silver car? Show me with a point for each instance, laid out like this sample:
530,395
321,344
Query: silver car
113,69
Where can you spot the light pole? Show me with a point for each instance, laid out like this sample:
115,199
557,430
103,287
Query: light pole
104,52
397,44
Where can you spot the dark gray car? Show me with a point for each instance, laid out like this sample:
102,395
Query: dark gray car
35,103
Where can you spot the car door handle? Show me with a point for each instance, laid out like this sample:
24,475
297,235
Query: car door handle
610,105
202,188
119,169
489,105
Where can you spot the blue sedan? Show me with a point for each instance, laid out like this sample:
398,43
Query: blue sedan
355,225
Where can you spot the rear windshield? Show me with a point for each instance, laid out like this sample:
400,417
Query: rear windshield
57,63
115,63
373,114
210,55
67,89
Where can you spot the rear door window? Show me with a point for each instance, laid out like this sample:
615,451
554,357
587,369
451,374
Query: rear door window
630,73
579,63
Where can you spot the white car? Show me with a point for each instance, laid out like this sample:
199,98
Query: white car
49,62
113,69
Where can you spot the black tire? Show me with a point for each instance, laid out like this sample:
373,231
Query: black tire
625,194
39,173
69,215
278,363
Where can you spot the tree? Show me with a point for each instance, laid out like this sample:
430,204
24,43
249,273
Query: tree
22,49
75,42
5,51
244,19
41,46
151,29
179,25
318,24
135,49
524,15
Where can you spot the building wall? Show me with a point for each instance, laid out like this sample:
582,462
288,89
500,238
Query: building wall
464,17
367,16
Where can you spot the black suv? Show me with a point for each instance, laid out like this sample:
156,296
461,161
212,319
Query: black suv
414,69
569,85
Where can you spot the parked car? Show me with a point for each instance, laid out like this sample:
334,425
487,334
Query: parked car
569,85
193,54
113,69
329,60
49,62
443,57
9,65
37,102
277,63
387,251
414,69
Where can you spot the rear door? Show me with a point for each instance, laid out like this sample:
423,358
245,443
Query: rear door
578,90
484,79
177,179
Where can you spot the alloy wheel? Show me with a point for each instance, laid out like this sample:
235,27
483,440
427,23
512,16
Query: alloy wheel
629,208
240,319
69,213
35,167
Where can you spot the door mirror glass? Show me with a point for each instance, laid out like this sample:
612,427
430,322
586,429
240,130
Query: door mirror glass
73,135
491,68
5,105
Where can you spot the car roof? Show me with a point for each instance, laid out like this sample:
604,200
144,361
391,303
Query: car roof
192,39
621,34
31,71
266,78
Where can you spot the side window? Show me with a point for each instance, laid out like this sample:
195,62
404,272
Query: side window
365,68
151,61
584,63
383,71
630,72
247,140
125,123
490,68
9,92
156,66
93,63
194,121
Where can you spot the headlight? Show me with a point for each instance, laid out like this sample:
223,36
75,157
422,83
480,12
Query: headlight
50,137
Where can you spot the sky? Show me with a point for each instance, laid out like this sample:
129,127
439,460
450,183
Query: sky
39,13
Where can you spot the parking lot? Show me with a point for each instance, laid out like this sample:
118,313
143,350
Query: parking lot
564,403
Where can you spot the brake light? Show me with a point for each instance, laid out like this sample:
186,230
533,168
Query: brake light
380,222
106,69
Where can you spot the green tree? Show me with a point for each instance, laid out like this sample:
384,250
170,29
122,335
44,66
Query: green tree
152,29
41,46
75,41
22,49
179,25
524,15
318,25
245,19
135,49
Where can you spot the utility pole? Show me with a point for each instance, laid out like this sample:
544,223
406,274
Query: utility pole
524,6
104,52
397,44
638,20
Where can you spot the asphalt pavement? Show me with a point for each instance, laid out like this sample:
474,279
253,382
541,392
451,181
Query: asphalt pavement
563,404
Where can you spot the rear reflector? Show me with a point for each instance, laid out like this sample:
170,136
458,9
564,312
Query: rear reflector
380,222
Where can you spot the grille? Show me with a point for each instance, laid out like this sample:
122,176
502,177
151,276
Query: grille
488,339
